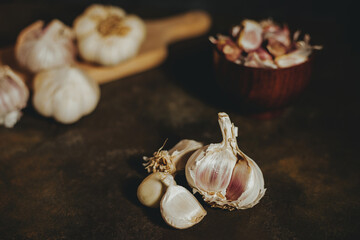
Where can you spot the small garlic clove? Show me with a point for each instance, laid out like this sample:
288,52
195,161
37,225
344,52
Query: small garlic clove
153,187
13,96
180,209
173,160
250,37
39,48
65,93
239,180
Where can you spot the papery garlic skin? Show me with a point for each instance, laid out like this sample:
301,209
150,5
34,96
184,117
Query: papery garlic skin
153,188
223,174
180,209
65,93
173,160
107,36
38,48
13,96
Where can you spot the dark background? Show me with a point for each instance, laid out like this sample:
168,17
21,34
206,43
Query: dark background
79,181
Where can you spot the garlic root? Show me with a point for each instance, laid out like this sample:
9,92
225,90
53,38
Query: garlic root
172,160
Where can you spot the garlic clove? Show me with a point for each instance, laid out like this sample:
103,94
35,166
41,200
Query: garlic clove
180,209
173,160
38,48
13,96
153,187
291,59
223,175
107,36
65,93
250,37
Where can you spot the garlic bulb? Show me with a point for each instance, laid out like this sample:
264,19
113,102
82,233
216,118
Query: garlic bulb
65,93
224,175
13,96
172,160
106,35
38,48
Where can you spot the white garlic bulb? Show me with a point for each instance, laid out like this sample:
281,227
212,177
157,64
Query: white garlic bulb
223,174
39,48
174,159
13,96
65,93
106,35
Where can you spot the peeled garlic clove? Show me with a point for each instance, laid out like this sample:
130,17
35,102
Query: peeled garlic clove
180,209
106,35
13,96
172,160
39,48
153,187
291,59
65,93
250,37
223,174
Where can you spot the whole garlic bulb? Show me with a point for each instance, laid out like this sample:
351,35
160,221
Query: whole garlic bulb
172,160
65,93
39,48
106,35
13,96
224,175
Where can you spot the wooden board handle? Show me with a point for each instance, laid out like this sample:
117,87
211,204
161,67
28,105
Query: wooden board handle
190,24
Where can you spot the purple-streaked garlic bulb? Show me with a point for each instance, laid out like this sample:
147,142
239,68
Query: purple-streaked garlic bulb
223,174
13,96
40,48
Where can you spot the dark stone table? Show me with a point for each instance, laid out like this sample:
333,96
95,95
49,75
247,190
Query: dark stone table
79,181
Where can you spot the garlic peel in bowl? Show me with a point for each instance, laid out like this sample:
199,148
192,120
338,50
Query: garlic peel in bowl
223,174
39,48
173,160
65,93
107,36
13,96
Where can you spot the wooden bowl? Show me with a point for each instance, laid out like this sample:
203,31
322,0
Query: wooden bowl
259,92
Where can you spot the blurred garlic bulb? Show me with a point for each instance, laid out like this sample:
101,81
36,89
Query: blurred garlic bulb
13,96
172,160
224,175
106,35
39,48
65,93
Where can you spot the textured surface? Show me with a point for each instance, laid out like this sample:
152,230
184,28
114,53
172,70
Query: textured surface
79,181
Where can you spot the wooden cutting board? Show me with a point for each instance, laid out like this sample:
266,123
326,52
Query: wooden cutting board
160,33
